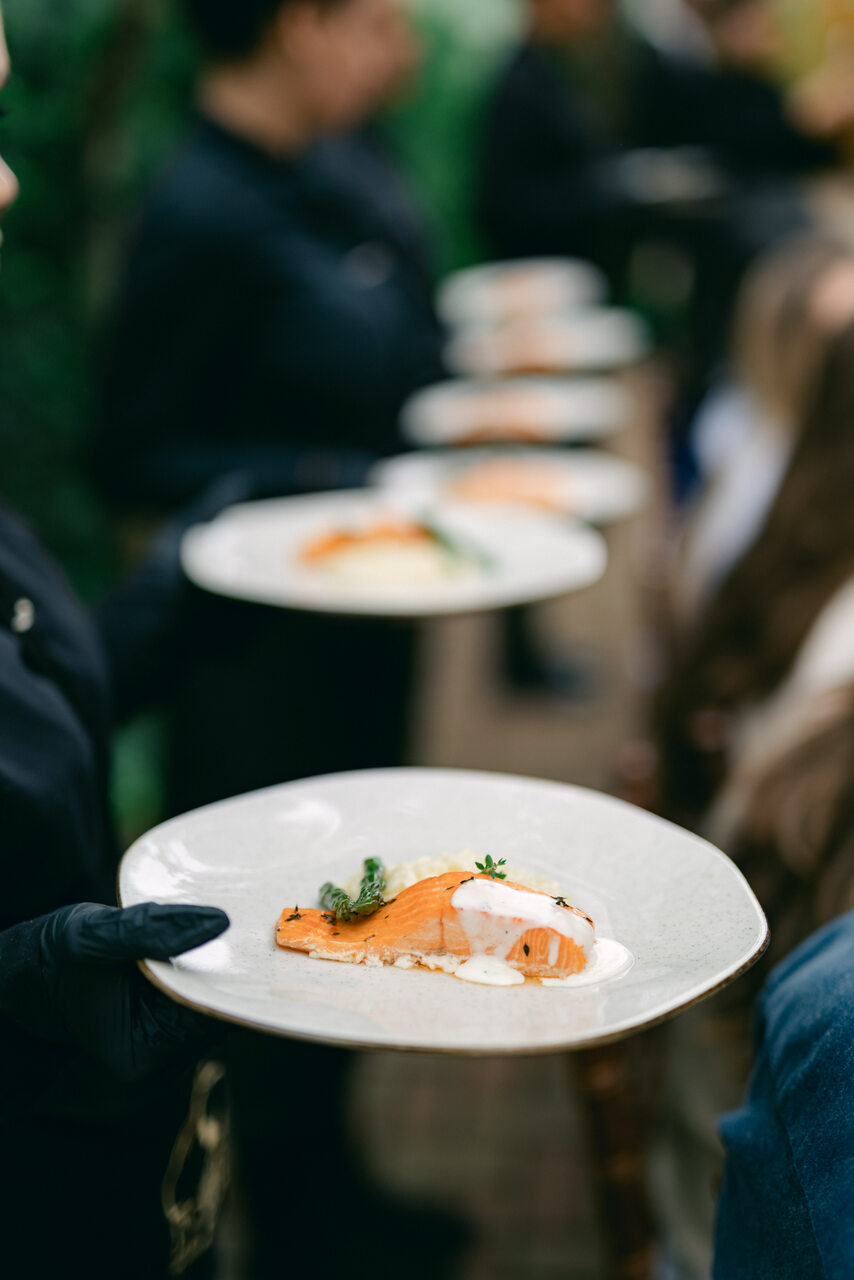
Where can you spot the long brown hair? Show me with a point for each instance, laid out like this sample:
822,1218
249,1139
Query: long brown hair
795,843
778,343
745,643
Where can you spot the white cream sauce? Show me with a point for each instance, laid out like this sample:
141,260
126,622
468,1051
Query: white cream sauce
609,959
495,918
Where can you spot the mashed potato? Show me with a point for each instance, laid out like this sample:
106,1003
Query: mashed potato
404,874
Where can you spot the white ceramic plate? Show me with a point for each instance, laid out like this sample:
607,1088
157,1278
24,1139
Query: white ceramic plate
252,551
587,484
594,340
557,411
502,291
682,909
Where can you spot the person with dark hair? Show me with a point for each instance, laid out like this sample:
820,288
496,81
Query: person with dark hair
272,317
261,320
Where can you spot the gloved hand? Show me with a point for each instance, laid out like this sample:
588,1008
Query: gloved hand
71,979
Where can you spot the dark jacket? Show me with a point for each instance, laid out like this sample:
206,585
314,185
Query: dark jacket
83,1151
786,1202
267,316
550,180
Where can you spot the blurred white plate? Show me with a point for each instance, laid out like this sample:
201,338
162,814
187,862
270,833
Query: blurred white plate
523,410
682,909
502,291
583,483
598,339
252,552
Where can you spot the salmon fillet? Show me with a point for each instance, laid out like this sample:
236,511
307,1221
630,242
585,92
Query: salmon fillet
395,532
422,922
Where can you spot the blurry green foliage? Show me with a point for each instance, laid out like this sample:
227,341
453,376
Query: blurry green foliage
97,95
435,133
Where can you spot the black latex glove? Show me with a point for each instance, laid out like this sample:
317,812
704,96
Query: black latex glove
72,979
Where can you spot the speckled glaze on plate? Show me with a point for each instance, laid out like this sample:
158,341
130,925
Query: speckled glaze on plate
251,552
589,485
679,905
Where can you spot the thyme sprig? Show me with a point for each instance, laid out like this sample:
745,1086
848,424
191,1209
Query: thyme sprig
490,868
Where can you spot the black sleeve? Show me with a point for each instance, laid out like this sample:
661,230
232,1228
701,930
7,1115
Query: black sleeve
343,344
156,624
52,842
544,180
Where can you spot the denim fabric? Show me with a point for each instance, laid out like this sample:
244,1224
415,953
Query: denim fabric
787,1202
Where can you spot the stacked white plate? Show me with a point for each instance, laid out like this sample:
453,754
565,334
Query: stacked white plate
582,483
595,339
503,291
515,410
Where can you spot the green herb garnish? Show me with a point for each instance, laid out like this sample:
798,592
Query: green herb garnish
490,868
369,900
456,547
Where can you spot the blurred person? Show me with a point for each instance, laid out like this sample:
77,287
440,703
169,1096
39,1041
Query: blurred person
787,818
580,90
743,643
97,1066
741,110
737,109
557,173
789,824
792,302
274,313
785,813
260,320
785,1202
360,164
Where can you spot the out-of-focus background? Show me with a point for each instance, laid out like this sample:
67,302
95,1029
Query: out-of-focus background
99,99
735,405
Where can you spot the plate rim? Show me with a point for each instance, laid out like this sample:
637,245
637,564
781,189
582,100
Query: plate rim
618,1033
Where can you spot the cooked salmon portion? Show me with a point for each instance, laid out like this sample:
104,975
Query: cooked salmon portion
510,480
398,531
452,917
